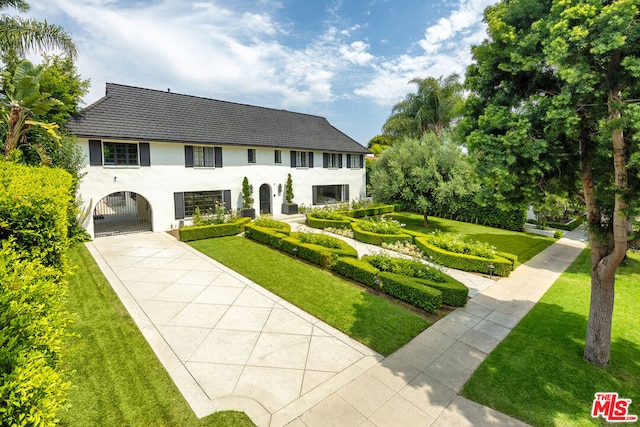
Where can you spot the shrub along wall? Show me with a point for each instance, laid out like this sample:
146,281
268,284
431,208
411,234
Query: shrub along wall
501,266
188,234
33,210
33,235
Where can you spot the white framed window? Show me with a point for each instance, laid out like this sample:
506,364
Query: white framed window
203,157
302,159
120,154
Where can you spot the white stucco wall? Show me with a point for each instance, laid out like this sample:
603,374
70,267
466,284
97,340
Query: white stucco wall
167,175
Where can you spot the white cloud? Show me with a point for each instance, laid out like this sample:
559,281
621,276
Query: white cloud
446,49
356,53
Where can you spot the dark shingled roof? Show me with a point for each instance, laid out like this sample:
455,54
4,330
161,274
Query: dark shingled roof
134,113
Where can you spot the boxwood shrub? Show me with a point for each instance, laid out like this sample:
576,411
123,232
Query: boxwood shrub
377,239
358,270
406,267
322,250
265,235
410,290
502,266
33,210
454,293
376,210
322,223
188,234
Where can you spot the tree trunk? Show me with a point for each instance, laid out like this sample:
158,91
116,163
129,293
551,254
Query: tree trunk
608,249
426,220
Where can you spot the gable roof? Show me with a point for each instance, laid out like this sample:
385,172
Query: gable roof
134,113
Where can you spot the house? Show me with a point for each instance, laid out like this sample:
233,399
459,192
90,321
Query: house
153,157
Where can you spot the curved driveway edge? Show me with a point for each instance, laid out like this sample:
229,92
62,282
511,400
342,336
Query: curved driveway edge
226,342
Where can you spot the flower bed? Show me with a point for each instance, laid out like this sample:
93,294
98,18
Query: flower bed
378,231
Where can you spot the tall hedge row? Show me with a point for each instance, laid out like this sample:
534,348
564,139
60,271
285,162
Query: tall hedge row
33,210
471,211
33,235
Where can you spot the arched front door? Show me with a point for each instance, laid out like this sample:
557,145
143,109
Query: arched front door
123,212
265,199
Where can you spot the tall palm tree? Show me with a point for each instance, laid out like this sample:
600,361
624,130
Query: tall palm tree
23,35
435,105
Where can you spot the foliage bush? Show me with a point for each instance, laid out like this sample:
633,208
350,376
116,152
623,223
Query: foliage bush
376,238
410,290
33,320
501,266
328,213
459,244
469,210
318,249
344,232
268,236
371,211
454,293
33,210
322,223
188,234
268,222
358,270
405,267
380,225
219,215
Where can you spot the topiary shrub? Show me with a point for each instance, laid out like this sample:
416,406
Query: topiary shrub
376,238
268,222
269,236
406,267
501,266
358,270
454,293
188,234
409,290
321,223
317,248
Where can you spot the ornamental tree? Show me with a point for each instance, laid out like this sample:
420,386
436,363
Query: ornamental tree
422,175
553,107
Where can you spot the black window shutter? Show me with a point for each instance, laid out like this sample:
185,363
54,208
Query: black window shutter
339,160
346,193
310,159
293,159
95,152
226,198
178,203
348,160
188,156
325,160
145,154
361,161
217,153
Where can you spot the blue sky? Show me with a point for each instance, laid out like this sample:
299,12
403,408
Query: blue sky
348,60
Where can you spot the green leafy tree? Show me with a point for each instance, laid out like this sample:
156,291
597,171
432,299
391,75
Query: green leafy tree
432,108
554,107
289,189
247,200
422,175
25,35
22,101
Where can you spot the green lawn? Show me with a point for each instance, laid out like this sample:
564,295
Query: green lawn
524,245
537,373
380,324
117,379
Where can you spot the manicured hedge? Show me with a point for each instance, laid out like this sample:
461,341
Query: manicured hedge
378,239
454,293
33,210
326,223
502,266
469,210
358,270
410,290
265,235
33,319
377,210
188,234
317,254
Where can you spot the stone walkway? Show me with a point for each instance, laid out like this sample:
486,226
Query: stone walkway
229,344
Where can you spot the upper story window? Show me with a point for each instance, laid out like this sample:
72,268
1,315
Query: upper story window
331,160
203,157
277,156
118,153
355,161
301,159
251,155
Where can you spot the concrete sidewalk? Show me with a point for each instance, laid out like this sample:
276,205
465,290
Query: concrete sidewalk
419,383
229,344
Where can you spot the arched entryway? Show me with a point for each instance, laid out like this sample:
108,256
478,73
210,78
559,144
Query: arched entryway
265,199
123,212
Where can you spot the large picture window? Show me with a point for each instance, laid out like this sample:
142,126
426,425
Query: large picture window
204,200
120,154
330,194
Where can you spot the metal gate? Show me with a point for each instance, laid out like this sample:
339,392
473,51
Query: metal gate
123,212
